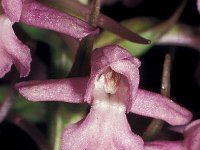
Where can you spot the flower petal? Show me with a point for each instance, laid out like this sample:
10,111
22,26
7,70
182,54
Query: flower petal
5,63
66,90
131,72
157,106
12,50
192,136
118,59
190,142
104,128
13,9
38,15
163,145
198,5
103,57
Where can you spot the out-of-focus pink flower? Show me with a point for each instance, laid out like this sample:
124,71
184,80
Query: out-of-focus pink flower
12,51
198,5
112,91
36,14
191,140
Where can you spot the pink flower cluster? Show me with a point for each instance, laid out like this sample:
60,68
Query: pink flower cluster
111,89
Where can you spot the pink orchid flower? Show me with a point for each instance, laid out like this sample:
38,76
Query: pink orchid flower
191,140
112,91
12,50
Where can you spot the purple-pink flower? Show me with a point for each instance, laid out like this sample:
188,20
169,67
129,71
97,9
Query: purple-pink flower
32,13
112,91
191,140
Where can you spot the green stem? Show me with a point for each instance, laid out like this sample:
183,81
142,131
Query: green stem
94,15
156,125
81,66
6,104
57,125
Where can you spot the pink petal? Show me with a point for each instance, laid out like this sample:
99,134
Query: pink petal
66,90
38,15
5,63
103,57
119,60
190,142
104,128
12,50
13,9
192,136
164,145
157,106
131,72
198,5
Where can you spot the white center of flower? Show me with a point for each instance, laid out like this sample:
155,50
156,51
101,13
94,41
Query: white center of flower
110,92
110,81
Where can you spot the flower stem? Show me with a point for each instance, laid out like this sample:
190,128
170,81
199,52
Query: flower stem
156,125
94,15
6,104
81,65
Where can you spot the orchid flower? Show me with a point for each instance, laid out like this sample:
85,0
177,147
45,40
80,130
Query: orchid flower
112,91
12,50
191,140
